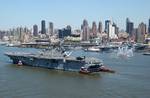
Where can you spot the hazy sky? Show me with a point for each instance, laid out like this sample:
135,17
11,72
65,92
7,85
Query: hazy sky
15,13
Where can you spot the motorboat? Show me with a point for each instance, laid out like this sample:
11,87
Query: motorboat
93,49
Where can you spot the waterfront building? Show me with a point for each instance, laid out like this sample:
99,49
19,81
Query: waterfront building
35,30
85,31
43,27
64,32
51,29
129,27
141,33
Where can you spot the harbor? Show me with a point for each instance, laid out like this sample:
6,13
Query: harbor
74,49
131,78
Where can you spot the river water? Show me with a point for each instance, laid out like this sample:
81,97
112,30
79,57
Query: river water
131,80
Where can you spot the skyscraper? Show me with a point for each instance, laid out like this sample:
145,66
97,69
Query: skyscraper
141,33
110,29
43,27
51,29
107,22
100,27
85,31
149,27
94,30
116,28
129,27
35,30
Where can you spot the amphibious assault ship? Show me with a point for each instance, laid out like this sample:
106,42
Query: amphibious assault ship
56,58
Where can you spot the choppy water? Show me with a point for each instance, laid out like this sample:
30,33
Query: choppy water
131,80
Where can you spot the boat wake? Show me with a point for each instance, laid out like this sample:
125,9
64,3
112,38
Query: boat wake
122,52
125,51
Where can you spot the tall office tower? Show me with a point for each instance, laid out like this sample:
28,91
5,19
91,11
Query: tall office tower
21,33
129,27
110,29
85,31
116,28
149,27
94,30
35,30
51,29
43,27
100,27
107,22
141,33
135,34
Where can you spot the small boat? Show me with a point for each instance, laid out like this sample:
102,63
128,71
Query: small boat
93,49
20,63
95,68
91,67
147,53
84,70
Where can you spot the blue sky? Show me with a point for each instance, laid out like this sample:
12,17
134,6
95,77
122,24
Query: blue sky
15,13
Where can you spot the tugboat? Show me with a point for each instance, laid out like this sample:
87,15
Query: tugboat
91,67
56,58
96,68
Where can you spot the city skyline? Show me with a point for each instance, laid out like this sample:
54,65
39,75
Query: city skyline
61,13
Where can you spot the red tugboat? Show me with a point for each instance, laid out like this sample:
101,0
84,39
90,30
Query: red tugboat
95,67
105,69
92,65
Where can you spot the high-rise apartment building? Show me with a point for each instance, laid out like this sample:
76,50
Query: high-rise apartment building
85,31
35,30
100,27
51,29
94,30
141,33
43,27
149,26
110,29
129,27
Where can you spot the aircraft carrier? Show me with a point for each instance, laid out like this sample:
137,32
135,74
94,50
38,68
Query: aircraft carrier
54,59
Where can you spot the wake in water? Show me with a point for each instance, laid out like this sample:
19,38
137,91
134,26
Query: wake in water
123,52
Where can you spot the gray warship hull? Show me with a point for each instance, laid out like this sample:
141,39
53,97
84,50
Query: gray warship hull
62,63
